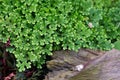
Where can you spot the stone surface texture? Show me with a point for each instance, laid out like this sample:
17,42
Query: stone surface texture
64,64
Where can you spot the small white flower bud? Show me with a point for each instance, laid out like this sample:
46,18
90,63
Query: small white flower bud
90,24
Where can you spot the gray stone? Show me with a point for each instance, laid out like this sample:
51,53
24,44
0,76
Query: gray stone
107,67
65,64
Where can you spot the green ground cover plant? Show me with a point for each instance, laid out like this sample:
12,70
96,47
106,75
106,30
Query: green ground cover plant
35,28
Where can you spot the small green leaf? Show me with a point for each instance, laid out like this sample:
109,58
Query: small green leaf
117,45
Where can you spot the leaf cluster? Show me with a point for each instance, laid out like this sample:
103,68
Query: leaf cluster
38,27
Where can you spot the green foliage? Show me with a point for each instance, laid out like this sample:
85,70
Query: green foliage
117,45
37,27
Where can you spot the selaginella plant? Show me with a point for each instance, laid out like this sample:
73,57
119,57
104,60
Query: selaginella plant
35,28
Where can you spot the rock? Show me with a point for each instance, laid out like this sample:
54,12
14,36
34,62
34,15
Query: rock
67,59
65,64
107,67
